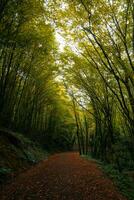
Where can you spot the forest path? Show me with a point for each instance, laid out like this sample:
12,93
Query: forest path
64,176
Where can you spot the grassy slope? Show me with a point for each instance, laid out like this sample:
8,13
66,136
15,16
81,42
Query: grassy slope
17,153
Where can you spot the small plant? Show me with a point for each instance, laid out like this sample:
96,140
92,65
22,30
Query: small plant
122,181
4,173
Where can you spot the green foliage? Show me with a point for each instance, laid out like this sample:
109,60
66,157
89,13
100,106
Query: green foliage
96,69
17,152
31,100
123,154
4,173
122,181
98,72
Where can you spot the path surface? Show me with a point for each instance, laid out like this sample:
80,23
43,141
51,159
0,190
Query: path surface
63,176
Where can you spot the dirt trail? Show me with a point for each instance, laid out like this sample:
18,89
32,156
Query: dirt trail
63,176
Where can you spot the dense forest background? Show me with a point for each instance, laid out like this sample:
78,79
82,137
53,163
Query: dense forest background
77,90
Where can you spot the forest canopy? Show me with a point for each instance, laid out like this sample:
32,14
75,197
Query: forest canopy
80,88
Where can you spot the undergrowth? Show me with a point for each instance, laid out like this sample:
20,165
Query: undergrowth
124,183
17,153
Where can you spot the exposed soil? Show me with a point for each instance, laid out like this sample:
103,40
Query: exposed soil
64,176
